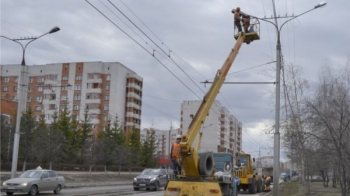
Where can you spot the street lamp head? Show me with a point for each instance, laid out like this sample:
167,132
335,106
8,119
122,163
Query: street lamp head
320,5
54,30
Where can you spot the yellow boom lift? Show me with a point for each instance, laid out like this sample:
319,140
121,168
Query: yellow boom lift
198,168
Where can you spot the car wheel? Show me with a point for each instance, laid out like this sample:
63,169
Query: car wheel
9,193
57,189
33,190
156,186
147,189
136,189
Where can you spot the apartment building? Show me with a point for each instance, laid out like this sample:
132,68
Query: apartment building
103,89
222,132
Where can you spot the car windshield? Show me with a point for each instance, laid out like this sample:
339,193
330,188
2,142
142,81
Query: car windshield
31,174
151,172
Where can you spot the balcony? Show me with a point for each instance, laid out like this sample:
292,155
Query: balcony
133,105
133,115
134,95
135,86
95,121
94,90
52,82
94,111
94,80
98,101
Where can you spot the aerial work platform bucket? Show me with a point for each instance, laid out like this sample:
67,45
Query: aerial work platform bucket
252,32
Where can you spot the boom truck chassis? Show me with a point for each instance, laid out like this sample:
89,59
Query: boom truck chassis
197,177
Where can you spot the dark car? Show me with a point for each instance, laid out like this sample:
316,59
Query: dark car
151,179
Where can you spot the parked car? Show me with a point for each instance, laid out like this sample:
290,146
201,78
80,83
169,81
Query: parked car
33,182
151,179
316,179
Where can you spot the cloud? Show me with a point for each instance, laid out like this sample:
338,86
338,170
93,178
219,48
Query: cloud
200,32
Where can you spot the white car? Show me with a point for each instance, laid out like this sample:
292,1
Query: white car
33,182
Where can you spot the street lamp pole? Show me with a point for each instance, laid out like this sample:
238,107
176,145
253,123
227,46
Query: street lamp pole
21,96
276,156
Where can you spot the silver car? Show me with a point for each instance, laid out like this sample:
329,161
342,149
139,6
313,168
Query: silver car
33,181
151,179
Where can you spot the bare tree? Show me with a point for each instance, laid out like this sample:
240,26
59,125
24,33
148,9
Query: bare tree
329,112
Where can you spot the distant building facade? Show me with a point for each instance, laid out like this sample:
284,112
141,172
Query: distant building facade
222,132
104,89
164,139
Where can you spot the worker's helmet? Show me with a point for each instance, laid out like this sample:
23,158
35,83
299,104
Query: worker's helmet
178,137
238,9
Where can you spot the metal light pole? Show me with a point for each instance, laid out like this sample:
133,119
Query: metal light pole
21,96
276,161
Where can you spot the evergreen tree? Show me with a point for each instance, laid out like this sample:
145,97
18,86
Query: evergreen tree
69,126
6,138
26,143
85,128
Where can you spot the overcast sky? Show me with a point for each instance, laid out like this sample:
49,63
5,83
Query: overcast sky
199,34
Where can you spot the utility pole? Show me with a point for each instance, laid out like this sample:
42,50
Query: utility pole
22,95
276,154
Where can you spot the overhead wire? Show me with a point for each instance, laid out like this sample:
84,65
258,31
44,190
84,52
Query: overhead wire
142,47
155,44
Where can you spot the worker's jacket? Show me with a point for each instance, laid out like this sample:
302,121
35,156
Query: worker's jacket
175,150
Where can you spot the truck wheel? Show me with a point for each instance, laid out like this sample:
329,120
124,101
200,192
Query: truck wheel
206,163
252,187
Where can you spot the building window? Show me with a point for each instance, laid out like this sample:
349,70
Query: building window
14,98
106,97
77,87
14,88
6,79
76,107
39,99
40,79
47,86
65,77
107,87
62,107
48,116
52,106
105,107
78,77
50,96
108,77
37,108
30,79
92,116
29,98
92,96
77,97
64,87
4,88
40,89
16,79
51,77
37,118
29,89
63,97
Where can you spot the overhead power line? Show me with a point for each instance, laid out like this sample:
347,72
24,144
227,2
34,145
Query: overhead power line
142,47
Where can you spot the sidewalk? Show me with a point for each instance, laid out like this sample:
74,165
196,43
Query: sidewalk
290,188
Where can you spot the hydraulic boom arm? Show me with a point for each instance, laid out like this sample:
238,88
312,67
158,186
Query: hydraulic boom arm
189,154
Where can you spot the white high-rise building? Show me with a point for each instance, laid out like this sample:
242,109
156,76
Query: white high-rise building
221,130
105,89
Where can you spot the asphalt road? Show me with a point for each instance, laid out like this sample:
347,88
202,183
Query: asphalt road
114,190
